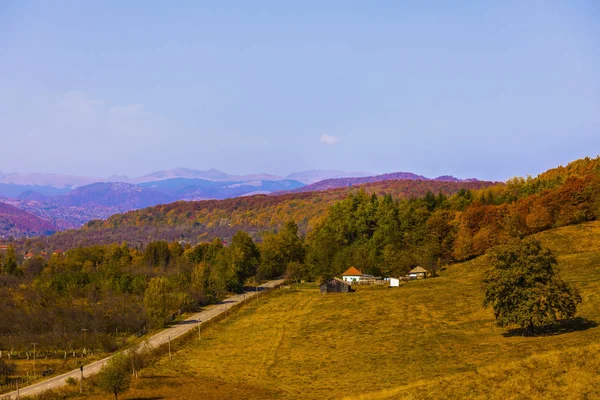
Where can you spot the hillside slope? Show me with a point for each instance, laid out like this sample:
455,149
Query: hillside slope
16,222
201,189
203,220
429,339
121,196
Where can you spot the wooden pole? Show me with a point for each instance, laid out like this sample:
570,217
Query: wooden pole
199,331
81,379
18,394
34,358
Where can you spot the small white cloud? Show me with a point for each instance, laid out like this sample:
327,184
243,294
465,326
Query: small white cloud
329,139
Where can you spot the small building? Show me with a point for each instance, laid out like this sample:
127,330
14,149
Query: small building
394,282
352,275
418,273
336,285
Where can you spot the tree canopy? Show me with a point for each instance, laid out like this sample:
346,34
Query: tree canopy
115,376
524,289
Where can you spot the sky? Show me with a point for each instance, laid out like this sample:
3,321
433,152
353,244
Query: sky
484,89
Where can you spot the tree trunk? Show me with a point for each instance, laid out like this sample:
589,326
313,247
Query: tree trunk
531,329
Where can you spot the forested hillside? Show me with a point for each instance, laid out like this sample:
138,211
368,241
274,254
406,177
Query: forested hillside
388,237
204,220
15,222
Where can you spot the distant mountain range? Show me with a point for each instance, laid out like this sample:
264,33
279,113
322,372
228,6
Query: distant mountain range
66,201
41,182
347,182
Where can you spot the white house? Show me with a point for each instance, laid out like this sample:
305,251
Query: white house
352,275
394,282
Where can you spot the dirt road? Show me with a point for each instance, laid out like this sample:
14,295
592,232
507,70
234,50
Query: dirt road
160,338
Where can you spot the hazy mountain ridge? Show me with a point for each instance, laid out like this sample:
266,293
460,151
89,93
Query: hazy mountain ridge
328,184
69,207
199,189
313,176
69,182
102,199
204,220
112,194
46,180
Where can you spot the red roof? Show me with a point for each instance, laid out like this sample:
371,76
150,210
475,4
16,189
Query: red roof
352,271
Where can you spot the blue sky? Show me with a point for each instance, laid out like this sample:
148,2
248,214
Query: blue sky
483,89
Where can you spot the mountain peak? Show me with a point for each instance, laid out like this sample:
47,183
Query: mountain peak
181,172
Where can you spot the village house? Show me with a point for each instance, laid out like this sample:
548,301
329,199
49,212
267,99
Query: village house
418,273
336,285
352,275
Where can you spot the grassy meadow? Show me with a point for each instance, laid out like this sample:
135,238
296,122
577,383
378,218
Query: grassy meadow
426,339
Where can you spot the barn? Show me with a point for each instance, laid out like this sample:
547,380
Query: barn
336,285
418,273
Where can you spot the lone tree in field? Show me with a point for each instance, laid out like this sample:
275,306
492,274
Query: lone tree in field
115,376
524,289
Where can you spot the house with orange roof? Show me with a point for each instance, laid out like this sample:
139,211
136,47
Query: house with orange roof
352,275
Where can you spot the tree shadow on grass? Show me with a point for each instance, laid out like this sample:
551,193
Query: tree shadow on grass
573,325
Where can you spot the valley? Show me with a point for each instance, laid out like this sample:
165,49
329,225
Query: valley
111,280
428,339
299,200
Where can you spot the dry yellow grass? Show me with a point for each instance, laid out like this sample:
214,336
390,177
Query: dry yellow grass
427,339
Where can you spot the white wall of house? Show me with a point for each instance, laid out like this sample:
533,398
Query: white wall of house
351,278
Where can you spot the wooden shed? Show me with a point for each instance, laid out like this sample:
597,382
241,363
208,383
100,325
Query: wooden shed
418,273
394,282
336,285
